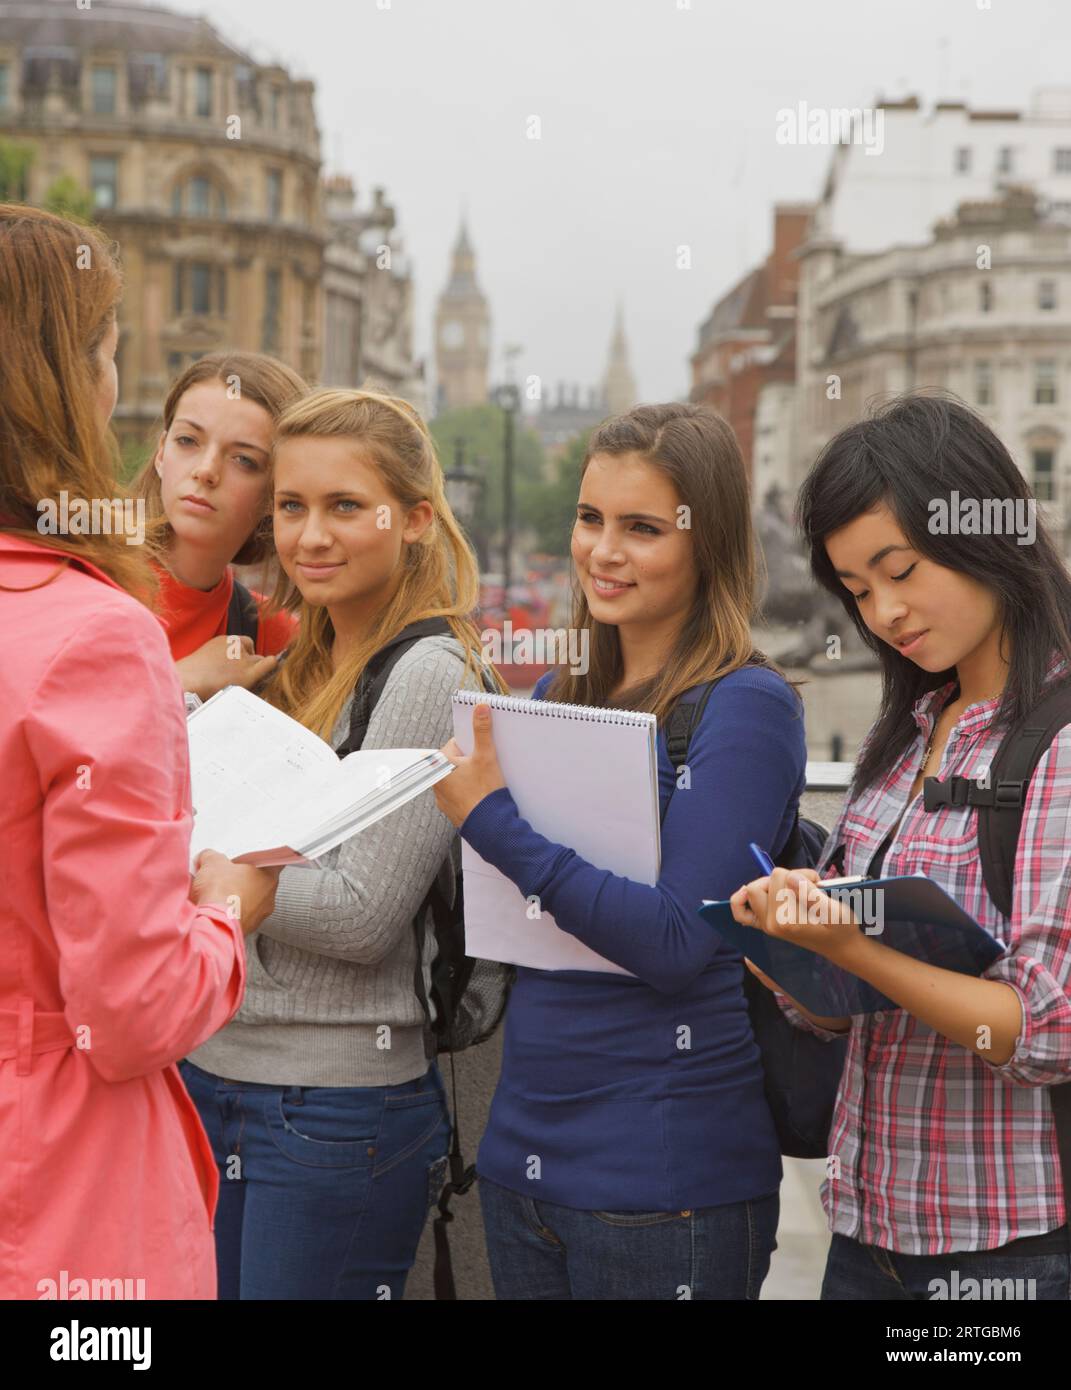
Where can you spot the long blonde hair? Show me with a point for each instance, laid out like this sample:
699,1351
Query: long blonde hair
439,576
697,451
59,290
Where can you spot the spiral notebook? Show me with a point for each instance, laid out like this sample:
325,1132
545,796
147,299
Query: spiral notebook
583,777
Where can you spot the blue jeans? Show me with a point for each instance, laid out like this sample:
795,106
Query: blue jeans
1036,1267
324,1190
539,1250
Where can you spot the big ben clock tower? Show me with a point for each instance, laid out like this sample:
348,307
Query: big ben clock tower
462,332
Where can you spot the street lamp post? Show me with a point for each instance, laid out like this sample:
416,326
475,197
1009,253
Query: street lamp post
508,398
462,488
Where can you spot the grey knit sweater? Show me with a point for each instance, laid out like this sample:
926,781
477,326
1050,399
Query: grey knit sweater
330,998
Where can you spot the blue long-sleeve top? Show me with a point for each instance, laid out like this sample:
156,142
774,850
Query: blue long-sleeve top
645,1093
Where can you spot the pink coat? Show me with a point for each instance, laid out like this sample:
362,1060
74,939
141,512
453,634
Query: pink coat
108,973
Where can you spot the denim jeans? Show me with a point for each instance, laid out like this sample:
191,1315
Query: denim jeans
539,1250
1037,1267
324,1190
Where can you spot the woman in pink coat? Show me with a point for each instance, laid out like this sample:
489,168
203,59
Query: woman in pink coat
111,965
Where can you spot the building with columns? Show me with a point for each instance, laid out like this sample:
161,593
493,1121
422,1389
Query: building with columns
462,333
203,165
368,297
981,310
944,262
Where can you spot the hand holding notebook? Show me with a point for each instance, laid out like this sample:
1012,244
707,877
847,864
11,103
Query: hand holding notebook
583,777
266,790
910,913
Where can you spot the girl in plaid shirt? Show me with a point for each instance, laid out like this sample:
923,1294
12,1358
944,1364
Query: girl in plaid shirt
943,1158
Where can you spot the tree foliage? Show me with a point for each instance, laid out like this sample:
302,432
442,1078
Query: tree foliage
67,198
15,162
551,509
480,432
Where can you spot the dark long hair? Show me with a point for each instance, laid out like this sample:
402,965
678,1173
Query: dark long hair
908,453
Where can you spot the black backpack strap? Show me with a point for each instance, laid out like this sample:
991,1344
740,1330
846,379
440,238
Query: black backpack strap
369,688
1000,802
451,986
1017,758
1000,817
682,722
999,824
376,673
1060,1100
243,616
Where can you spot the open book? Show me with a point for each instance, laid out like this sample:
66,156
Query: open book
268,791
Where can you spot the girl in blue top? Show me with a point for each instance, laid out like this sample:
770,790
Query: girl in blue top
629,1152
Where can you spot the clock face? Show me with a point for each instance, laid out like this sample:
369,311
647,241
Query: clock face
453,334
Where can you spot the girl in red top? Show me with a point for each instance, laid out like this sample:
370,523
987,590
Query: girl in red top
206,487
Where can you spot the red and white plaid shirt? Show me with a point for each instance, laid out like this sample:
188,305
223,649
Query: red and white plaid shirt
940,1150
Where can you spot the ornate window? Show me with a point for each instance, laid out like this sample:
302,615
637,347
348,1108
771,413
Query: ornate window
104,181
1045,381
198,287
1044,465
103,90
202,87
200,195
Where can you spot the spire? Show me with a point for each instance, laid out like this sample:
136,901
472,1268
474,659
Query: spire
463,267
463,246
618,345
619,385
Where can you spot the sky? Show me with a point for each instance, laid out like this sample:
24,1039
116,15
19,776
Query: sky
656,131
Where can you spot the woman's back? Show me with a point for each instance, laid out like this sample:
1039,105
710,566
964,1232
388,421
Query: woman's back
108,973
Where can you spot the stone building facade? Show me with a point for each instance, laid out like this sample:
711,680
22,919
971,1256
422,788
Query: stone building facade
980,310
368,297
202,165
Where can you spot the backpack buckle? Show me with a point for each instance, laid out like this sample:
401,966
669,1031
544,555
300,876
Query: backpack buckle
1008,795
936,793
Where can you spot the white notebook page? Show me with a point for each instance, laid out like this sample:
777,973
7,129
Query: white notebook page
260,780
583,777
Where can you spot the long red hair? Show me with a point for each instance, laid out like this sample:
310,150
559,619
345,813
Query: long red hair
60,286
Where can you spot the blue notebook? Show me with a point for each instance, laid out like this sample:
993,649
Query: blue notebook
914,915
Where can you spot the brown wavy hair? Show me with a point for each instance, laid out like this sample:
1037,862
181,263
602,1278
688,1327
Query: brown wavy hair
697,451
60,287
264,380
439,578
